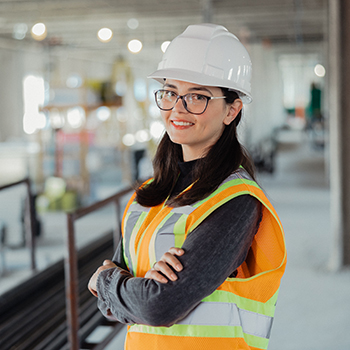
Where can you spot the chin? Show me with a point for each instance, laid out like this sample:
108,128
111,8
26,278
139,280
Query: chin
177,140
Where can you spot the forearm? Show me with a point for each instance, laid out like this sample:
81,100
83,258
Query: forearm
212,252
123,297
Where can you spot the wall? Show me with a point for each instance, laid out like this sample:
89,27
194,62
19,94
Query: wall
11,103
266,112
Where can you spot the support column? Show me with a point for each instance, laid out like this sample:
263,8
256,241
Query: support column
339,125
345,121
11,99
207,11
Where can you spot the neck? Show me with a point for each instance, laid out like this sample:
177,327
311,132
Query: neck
190,154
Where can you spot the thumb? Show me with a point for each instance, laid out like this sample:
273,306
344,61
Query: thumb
108,262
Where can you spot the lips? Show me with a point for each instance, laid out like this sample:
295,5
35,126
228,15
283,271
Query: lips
181,123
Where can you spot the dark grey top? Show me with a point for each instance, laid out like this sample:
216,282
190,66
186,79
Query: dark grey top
213,252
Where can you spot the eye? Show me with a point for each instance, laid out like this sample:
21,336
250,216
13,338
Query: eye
197,98
169,94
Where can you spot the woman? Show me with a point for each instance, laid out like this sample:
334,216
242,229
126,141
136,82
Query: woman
203,251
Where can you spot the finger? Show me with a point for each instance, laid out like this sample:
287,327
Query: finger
172,260
176,251
155,275
92,285
109,263
93,292
165,269
93,279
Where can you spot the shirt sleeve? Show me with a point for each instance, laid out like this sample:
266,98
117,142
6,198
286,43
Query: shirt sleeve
118,257
213,251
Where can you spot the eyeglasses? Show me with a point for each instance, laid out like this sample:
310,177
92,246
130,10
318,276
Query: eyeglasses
193,103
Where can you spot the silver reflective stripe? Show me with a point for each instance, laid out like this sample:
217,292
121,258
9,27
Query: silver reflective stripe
130,224
239,174
228,314
230,178
243,174
188,209
256,324
165,239
137,207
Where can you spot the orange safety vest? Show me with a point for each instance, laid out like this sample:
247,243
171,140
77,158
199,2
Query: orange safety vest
239,314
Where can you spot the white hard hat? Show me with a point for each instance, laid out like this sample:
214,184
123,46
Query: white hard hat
208,54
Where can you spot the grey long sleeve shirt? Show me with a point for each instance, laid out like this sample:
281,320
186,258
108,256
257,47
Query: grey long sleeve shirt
213,252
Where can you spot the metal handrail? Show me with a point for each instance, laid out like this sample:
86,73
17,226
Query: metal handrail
29,220
71,261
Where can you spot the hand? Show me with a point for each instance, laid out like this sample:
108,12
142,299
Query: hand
107,264
165,265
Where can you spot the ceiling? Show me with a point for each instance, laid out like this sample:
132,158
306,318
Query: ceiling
73,24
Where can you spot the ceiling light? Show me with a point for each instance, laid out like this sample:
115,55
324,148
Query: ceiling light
33,122
319,70
39,31
120,88
164,46
157,129
135,46
129,140
103,113
133,23
74,81
76,117
142,136
57,120
19,31
105,35
122,115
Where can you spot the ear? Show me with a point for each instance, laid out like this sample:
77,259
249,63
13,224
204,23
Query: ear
233,111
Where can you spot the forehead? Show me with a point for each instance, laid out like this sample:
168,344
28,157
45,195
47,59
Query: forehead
180,85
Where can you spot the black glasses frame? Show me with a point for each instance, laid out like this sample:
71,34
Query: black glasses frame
183,98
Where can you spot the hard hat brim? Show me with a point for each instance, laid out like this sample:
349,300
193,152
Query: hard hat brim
198,78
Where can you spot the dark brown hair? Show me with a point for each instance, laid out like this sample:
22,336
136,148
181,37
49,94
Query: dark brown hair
222,159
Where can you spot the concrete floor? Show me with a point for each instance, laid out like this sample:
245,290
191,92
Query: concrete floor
313,309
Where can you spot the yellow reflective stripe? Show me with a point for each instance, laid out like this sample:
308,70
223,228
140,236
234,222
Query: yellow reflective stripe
267,309
256,342
124,241
132,250
152,250
267,205
229,314
179,231
273,299
230,183
214,207
181,330
223,187
125,221
271,211
204,332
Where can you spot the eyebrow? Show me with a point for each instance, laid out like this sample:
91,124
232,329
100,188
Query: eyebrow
199,88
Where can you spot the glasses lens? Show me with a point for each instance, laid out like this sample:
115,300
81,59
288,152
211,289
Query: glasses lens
195,103
165,99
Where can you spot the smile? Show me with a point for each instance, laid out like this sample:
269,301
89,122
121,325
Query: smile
180,123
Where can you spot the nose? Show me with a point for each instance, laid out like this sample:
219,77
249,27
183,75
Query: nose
180,105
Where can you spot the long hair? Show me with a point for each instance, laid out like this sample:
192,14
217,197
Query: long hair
221,160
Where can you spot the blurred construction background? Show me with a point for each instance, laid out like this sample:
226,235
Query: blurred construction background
78,124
